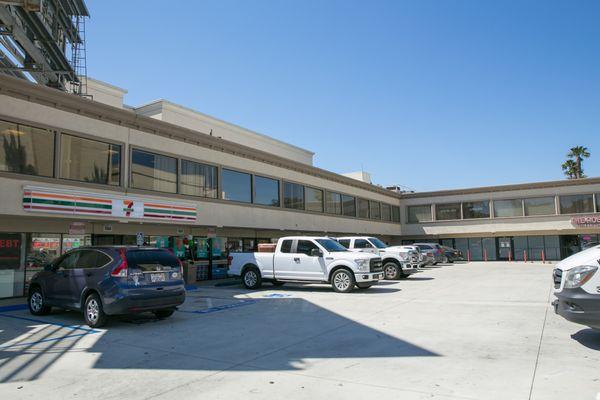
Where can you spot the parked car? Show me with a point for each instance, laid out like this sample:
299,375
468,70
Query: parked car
311,260
109,280
398,262
452,254
433,251
577,283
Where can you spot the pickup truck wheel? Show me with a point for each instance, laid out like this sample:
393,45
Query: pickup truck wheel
392,271
251,278
342,281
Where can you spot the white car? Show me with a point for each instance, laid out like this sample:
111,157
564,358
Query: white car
398,261
311,260
577,284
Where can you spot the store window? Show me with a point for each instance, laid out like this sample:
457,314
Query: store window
89,160
363,208
26,150
476,209
236,186
293,196
576,204
348,206
396,214
314,199
334,202
539,206
508,208
418,214
41,248
374,209
447,211
198,179
386,212
266,191
11,270
151,171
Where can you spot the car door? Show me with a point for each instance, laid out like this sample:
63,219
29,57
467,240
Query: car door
285,260
365,246
58,283
309,267
84,275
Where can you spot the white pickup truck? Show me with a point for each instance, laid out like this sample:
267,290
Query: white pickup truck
577,284
310,260
398,261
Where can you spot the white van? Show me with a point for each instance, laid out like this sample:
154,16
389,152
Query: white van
577,284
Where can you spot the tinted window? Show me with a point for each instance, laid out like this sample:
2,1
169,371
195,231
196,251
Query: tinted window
447,211
386,212
508,208
395,214
305,247
539,206
425,247
363,208
293,196
374,210
266,191
331,245
90,160
348,206
26,150
378,243
345,243
476,209
314,199
153,172
334,203
198,179
418,214
236,186
69,262
576,204
362,244
286,246
151,260
87,259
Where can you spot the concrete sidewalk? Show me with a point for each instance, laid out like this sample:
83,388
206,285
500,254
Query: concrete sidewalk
464,331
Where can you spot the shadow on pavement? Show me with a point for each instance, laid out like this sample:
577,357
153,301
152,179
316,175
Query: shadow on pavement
225,332
589,338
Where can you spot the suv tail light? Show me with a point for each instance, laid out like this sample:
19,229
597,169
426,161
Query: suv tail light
121,270
229,259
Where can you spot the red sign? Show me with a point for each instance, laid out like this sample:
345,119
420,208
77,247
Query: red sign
586,221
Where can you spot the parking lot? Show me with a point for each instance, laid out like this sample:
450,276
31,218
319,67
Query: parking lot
463,331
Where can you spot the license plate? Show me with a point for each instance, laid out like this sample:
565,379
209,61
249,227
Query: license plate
157,277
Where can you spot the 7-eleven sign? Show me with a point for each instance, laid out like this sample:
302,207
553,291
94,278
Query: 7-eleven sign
128,208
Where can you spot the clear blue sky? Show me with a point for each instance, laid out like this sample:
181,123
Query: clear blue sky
426,94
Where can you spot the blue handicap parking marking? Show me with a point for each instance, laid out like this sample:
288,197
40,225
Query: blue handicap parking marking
75,330
224,307
276,295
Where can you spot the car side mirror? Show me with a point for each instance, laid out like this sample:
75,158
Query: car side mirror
316,253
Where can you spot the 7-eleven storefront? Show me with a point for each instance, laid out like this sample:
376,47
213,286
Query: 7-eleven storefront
58,220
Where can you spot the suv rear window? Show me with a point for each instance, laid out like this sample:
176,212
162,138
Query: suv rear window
151,260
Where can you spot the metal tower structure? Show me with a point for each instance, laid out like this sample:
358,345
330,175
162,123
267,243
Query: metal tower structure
44,41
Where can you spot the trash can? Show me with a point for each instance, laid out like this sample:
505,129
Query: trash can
189,272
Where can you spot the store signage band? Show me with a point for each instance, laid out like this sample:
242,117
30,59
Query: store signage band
39,199
586,221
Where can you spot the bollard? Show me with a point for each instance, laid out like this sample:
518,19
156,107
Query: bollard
485,255
525,255
509,255
468,255
543,257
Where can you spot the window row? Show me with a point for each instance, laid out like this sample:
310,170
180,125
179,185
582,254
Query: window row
534,206
33,151
300,197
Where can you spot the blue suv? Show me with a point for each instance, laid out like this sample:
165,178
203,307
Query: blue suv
109,280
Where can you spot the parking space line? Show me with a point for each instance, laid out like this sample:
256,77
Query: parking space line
74,327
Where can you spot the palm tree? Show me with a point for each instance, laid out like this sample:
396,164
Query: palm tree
579,153
569,167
